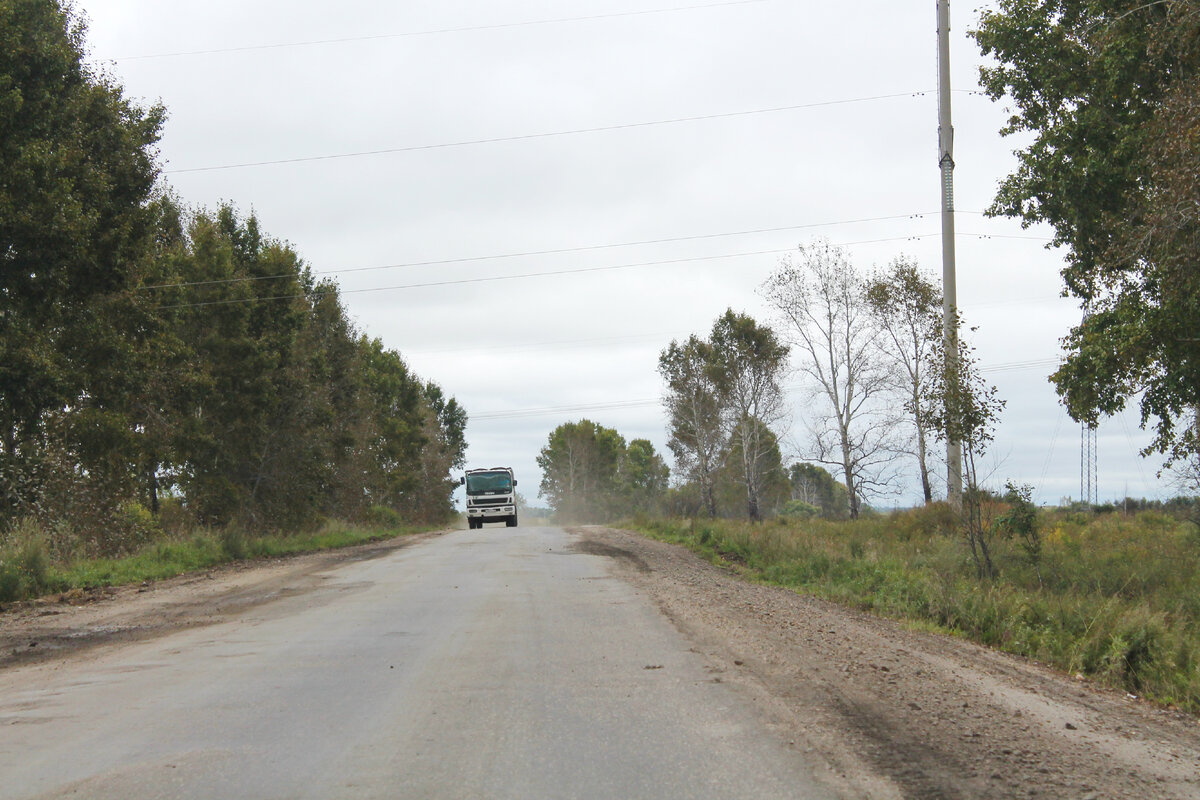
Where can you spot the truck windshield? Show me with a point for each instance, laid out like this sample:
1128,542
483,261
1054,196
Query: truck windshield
489,483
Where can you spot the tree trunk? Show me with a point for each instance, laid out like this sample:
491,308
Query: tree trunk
152,486
708,496
921,453
847,470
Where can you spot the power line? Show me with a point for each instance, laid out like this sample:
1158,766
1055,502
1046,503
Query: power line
543,135
557,251
517,413
436,31
1010,366
519,347
525,275
537,412
485,279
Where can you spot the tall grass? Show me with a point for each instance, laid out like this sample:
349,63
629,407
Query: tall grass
35,561
1113,597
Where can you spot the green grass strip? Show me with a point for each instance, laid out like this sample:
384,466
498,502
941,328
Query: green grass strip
27,571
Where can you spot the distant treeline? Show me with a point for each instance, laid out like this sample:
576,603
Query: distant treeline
154,357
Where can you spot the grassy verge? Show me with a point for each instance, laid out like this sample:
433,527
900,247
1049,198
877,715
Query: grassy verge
29,568
1111,597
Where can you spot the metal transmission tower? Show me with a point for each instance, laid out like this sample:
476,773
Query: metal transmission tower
949,290
1089,485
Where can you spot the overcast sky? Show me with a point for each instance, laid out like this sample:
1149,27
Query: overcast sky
439,157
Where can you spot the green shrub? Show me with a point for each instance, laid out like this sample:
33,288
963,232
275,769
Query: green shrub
798,509
10,581
24,562
383,517
233,542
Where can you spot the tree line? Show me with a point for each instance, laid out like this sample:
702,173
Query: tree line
154,355
868,351
591,474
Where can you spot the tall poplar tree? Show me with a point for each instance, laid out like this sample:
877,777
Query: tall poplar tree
78,167
1107,93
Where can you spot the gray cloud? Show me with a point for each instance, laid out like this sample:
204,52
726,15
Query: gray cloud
593,338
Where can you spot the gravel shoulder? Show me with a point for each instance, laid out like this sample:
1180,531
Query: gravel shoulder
898,713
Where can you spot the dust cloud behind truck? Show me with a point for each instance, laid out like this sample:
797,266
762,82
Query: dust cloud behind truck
491,496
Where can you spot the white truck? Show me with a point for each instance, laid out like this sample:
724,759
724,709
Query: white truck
491,496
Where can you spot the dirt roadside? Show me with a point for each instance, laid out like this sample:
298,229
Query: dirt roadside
897,713
76,621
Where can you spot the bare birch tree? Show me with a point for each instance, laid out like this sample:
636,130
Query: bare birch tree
820,297
908,307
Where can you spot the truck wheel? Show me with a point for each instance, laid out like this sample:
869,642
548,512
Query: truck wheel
511,522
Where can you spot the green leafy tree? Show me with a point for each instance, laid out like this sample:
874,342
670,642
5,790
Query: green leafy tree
581,471
78,167
444,449
339,423
771,487
747,363
812,485
1109,91
250,451
396,433
146,348
693,404
965,408
1021,521
644,475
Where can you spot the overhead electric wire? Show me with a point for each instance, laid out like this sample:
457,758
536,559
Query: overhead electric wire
525,275
438,31
1019,365
520,347
542,135
484,279
516,413
535,412
556,251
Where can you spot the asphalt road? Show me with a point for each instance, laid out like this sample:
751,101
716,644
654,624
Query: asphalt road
497,663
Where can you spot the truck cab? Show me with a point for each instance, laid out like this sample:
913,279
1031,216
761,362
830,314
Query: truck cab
491,496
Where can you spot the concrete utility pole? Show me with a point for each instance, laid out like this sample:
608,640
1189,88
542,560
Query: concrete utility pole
949,290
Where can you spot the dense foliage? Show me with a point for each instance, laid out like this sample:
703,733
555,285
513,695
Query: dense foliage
723,395
590,474
155,359
1109,91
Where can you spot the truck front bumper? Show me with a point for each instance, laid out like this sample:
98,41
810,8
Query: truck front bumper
491,512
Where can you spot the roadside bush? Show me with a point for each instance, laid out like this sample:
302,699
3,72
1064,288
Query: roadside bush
24,562
233,542
383,517
798,509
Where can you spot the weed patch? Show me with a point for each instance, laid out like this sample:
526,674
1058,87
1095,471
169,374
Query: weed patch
1111,596
28,568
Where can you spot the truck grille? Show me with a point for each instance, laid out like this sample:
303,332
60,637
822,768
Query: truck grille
491,501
